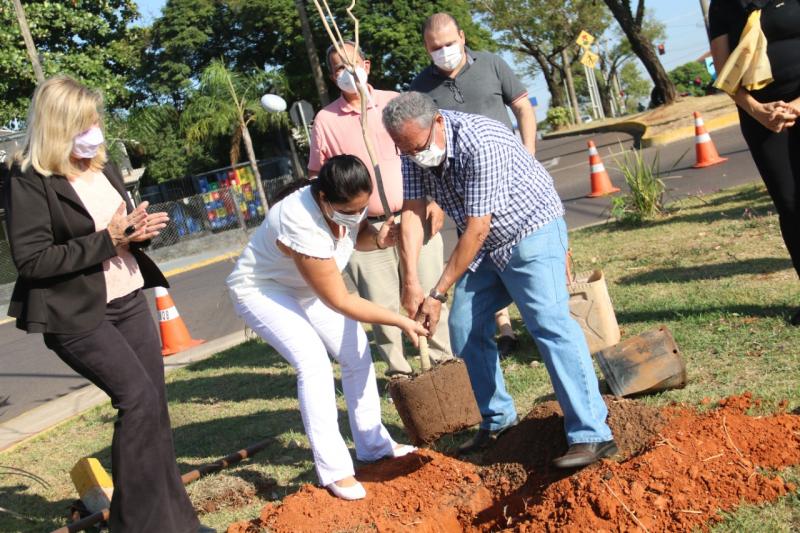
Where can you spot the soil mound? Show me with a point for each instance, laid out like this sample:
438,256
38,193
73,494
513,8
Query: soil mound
425,492
677,469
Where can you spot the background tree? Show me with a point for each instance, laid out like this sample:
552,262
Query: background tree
634,86
391,36
227,103
538,30
154,138
632,25
94,42
615,51
691,78
250,34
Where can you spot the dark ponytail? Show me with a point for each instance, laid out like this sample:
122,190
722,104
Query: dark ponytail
341,178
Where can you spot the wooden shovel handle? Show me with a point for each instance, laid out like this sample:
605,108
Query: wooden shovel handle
424,357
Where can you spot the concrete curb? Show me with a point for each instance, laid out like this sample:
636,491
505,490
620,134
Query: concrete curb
53,413
638,130
686,132
201,264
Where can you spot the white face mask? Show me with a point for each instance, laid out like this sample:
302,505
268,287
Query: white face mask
447,57
430,157
86,144
343,219
347,83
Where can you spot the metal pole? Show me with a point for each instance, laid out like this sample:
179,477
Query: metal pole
591,92
26,36
597,98
305,123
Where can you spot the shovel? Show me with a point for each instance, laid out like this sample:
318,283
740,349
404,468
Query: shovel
435,402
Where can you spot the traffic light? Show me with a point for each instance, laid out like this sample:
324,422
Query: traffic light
661,49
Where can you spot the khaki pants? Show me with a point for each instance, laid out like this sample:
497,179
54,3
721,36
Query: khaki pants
377,274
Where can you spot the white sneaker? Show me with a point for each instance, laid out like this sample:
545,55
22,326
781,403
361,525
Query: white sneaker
403,449
355,492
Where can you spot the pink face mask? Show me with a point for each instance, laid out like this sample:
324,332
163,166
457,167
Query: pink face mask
86,144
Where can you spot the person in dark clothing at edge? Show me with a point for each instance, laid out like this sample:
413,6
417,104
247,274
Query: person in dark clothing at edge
768,115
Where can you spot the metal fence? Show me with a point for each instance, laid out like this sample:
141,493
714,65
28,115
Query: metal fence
209,216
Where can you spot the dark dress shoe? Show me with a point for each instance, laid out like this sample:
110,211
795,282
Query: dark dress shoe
795,320
505,345
483,438
585,453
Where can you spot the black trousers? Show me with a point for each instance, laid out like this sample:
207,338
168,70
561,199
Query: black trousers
777,157
122,356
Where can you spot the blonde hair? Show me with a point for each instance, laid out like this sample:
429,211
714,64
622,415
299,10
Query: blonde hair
61,109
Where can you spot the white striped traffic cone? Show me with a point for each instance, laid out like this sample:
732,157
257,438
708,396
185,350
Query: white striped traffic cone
601,183
174,335
707,154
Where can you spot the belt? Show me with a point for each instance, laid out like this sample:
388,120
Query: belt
381,218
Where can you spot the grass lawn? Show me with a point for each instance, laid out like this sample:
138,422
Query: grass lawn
715,271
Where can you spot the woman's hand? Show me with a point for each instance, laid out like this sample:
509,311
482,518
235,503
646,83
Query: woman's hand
153,223
412,329
388,235
775,116
794,107
137,226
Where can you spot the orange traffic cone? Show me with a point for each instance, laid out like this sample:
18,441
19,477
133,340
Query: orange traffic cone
174,335
601,183
707,154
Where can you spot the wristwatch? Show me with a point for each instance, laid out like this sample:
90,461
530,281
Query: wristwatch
436,295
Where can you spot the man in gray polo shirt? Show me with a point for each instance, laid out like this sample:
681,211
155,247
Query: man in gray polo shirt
481,83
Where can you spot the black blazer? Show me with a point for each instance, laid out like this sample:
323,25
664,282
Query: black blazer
59,255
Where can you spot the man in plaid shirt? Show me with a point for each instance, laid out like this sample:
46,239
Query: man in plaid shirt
512,247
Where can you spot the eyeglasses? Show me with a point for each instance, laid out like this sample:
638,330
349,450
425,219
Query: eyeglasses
457,95
428,143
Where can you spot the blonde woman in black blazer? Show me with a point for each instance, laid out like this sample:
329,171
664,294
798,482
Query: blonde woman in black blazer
77,241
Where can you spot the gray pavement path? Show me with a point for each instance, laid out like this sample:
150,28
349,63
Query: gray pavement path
31,376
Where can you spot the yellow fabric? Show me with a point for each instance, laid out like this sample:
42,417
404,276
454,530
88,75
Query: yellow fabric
748,65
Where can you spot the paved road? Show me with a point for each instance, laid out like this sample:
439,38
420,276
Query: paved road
30,375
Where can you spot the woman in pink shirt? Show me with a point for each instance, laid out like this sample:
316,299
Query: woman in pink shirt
77,241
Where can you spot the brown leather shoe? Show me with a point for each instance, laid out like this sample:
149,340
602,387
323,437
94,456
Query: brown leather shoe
585,453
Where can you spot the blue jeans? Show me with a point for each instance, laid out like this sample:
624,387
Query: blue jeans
534,279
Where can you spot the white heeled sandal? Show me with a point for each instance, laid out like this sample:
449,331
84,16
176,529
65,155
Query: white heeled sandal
355,492
402,450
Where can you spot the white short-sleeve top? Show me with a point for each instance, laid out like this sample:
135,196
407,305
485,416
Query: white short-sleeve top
297,222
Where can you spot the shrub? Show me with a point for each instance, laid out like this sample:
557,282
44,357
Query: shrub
646,197
558,117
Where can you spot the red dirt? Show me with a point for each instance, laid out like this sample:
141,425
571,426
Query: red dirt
677,469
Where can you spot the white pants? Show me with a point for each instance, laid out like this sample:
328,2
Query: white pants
304,332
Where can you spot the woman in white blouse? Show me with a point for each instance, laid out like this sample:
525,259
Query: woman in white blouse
287,286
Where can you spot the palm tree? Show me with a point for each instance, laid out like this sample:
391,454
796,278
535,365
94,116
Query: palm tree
227,103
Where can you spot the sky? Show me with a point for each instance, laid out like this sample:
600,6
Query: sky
686,39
